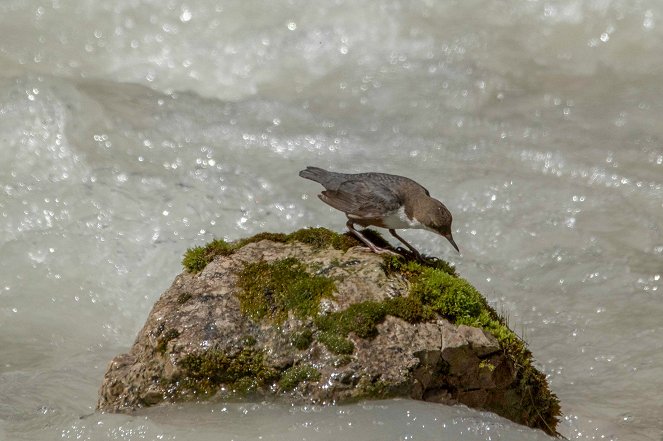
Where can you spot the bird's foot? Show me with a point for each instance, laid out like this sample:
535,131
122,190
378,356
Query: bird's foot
385,251
412,254
378,250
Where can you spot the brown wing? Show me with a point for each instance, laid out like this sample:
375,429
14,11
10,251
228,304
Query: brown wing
362,199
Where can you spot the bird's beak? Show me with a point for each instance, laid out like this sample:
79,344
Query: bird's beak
453,242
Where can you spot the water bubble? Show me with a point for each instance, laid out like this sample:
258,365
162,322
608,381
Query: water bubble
186,15
648,21
627,418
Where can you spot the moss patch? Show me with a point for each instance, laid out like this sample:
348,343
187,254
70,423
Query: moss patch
183,298
204,373
411,267
296,374
540,407
360,318
376,389
410,309
435,288
249,340
449,296
337,344
271,290
302,340
196,259
485,364
322,238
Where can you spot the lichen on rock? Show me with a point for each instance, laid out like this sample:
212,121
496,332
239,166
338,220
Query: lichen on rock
312,316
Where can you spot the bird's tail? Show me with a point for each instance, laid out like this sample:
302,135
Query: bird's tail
314,174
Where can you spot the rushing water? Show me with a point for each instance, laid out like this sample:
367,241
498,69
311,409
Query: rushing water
131,130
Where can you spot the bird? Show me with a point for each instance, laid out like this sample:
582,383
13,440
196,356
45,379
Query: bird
382,200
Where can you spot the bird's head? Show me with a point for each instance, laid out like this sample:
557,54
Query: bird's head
436,217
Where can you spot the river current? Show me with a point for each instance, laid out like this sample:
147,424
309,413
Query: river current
135,129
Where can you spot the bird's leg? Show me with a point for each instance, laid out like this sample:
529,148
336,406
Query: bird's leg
413,249
363,238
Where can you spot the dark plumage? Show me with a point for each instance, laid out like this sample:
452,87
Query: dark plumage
382,200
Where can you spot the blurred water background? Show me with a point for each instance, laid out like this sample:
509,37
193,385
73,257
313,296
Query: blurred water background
134,129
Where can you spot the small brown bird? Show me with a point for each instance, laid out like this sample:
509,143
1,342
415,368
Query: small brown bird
382,200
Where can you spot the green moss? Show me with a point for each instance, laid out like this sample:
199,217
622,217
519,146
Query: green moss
183,297
360,318
439,264
322,238
543,408
412,267
485,364
271,290
274,237
244,386
376,389
296,374
409,309
162,342
437,288
195,259
249,340
539,406
302,340
451,297
343,360
204,373
337,344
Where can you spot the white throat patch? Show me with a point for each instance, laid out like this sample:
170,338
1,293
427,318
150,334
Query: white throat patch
398,219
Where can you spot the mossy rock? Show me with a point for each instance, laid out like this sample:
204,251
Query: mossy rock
196,258
436,290
313,316
302,340
203,373
336,344
272,290
293,376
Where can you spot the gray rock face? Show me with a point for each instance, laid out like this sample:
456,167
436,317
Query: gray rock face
199,343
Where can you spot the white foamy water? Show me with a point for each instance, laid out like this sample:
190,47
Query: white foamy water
132,130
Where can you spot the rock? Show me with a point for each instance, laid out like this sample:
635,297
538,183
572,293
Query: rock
289,316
